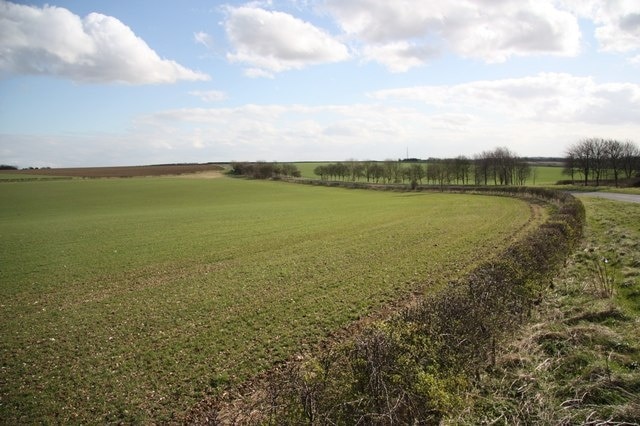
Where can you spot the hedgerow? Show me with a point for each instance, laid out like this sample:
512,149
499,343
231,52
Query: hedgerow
414,367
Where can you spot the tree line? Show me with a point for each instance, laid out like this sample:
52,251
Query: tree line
595,160
591,160
264,170
499,167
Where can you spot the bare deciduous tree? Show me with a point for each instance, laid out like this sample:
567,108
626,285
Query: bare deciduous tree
596,159
630,159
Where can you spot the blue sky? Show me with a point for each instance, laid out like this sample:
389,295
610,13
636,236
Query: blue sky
95,83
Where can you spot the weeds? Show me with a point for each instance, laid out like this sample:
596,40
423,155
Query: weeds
577,363
603,281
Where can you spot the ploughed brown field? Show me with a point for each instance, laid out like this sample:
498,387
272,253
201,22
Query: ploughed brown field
122,171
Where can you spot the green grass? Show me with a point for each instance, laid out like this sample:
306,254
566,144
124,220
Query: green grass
129,300
614,234
544,175
7,177
578,360
306,169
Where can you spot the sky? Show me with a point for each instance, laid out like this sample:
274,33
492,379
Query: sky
88,83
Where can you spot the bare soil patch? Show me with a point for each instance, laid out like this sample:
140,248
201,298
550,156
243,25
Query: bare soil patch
209,174
203,170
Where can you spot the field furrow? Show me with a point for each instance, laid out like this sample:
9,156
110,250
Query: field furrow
130,300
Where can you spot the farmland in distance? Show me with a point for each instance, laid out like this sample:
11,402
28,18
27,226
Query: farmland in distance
541,175
132,299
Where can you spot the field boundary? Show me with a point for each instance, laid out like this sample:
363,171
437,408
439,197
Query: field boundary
6,178
117,171
417,364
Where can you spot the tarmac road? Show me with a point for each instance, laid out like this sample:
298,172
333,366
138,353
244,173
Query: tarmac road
630,198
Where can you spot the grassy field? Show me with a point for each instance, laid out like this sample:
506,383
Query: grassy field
578,361
544,175
131,299
306,169
8,177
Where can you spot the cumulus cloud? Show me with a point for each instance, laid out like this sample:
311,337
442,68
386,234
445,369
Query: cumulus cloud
271,42
290,132
537,115
617,22
487,30
399,56
549,97
94,49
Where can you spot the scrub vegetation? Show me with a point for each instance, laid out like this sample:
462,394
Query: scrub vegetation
578,360
129,300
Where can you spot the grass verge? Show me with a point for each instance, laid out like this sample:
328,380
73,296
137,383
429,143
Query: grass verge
578,361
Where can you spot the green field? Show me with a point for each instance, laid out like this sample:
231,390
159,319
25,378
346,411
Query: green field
7,177
544,175
132,299
547,175
306,169
576,361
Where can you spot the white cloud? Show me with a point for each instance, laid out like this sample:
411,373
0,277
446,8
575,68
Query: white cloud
488,30
209,95
204,39
271,42
95,49
399,56
197,138
538,115
617,22
549,97
290,132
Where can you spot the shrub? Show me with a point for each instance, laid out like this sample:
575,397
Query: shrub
264,170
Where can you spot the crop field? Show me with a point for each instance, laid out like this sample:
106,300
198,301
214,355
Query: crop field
306,169
129,300
547,175
121,171
544,175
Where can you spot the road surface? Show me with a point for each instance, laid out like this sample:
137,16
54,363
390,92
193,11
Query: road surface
630,198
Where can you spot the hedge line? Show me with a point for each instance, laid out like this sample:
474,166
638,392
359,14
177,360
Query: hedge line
415,367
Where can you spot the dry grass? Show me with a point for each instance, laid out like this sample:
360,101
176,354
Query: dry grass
578,362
